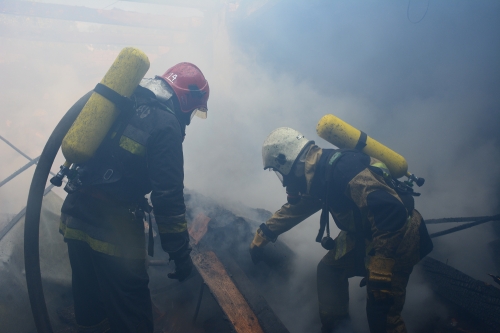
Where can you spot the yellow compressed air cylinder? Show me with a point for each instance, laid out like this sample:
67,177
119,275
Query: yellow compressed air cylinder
97,116
343,135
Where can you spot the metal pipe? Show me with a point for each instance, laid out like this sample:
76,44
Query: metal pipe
14,147
465,226
457,219
19,215
10,144
198,304
26,166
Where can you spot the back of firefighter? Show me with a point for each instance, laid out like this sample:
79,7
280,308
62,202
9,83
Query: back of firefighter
102,221
382,236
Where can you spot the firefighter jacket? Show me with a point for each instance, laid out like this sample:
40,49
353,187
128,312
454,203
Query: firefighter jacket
358,198
142,154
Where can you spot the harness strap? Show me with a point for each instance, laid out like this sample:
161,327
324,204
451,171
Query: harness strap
140,212
151,241
146,209
324,222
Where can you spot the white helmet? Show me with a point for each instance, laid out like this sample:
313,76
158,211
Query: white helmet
281,149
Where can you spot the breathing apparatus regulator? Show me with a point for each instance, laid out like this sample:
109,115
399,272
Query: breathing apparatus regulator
110,96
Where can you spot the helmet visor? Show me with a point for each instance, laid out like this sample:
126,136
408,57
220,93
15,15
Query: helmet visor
200,112
280,176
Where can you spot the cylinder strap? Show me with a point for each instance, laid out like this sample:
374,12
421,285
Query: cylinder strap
120,101
361,141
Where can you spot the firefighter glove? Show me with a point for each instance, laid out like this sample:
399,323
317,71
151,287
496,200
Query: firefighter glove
379,283
256,253
183,265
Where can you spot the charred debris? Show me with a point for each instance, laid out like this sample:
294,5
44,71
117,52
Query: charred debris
230,294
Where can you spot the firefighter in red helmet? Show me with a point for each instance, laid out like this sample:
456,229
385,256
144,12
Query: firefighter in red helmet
102,216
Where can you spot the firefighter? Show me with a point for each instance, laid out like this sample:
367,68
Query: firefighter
381,235
102,220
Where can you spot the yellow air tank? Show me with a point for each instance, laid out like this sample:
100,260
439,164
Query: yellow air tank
97,116
343,135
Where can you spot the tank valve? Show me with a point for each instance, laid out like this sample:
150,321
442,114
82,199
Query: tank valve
419,181
57,179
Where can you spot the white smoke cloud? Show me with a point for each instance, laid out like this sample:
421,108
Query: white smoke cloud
429,91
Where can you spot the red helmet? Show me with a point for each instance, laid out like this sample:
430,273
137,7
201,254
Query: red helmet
190,87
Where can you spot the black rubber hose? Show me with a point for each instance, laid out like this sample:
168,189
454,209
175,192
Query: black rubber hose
32,221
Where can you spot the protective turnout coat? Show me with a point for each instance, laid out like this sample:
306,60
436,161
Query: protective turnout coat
358,198
142,154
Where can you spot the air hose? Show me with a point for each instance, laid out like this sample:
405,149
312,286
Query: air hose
32,220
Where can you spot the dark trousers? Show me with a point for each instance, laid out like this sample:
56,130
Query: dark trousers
333,293
108,288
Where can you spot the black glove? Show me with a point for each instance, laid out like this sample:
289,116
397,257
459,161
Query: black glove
183,263
183,268
256,253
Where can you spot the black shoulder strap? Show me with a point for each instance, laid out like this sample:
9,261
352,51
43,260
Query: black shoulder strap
324,222
324,219
121,102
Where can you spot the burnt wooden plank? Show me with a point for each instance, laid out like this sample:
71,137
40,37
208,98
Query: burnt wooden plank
229,235
199,227
268,320
228,296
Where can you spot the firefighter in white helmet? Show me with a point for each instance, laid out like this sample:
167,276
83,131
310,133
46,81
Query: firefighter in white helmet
381,235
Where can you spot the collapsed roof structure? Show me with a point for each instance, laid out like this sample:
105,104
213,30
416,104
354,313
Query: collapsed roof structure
242,295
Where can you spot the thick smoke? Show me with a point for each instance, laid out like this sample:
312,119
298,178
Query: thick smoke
428,90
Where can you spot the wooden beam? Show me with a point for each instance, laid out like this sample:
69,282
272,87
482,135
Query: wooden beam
268,320
199,227
65,32
103,16
230,299
205,4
